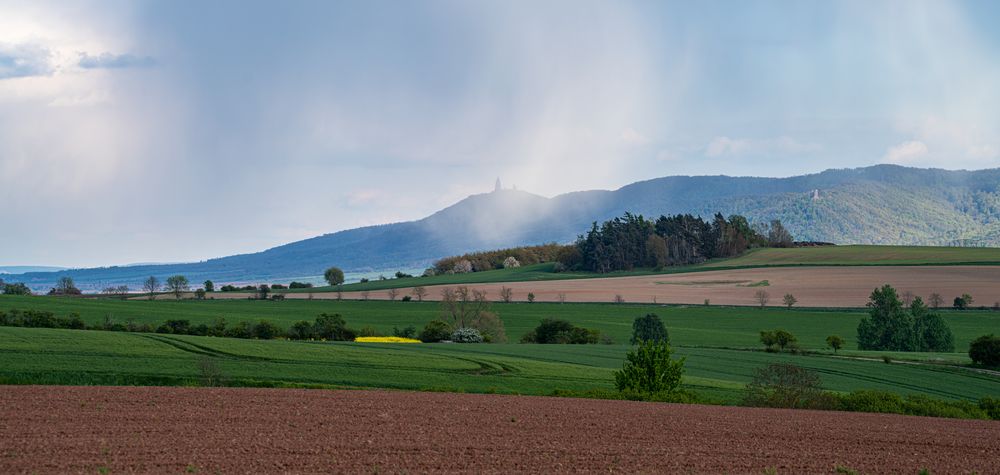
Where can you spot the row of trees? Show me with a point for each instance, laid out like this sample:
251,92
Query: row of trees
497,259
633,241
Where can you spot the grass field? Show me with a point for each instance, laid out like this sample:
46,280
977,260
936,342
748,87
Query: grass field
714,339
856,255
47,356
692,326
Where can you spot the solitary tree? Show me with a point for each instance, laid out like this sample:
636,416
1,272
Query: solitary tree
392,293
649,368
789,300
835,342
209,286
963,302
262,291
334,276
65,286
649,328
762,297
506,294
531,297
935,300
177,284
419,293
151,285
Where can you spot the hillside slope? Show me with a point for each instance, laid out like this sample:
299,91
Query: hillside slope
883,204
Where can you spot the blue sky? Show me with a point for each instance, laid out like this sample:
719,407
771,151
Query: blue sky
176,131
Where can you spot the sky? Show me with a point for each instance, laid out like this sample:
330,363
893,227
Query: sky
175,131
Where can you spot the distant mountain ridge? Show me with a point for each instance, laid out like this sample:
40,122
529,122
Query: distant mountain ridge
883,204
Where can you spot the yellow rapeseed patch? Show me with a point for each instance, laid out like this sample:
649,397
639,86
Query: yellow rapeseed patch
384,339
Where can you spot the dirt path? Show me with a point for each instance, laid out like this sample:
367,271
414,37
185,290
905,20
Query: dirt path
811,286
47,429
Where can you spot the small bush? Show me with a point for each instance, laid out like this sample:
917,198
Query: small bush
406,298
210,373
408,332
265,330
333,328
778,340
435,331
554,331
990,406
466,335
872,401
300,330
786,385
367,330
985,350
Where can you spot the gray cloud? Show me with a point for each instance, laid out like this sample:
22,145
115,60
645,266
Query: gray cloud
24,60
114,61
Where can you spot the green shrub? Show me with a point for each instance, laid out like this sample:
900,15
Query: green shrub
920,405
265,330
435,331
787,385
560,332
990,406
872,401
300,330
778,340
332,327
649,328
649,368
985,350
408,332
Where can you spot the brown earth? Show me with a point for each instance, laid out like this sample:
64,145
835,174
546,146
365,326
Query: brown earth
45,429
812,286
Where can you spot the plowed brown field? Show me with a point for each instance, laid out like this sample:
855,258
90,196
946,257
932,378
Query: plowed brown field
47,429
812,286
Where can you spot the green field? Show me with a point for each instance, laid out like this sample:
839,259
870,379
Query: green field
712,338
857,255
733,327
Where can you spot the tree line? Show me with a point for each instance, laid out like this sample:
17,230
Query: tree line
631,241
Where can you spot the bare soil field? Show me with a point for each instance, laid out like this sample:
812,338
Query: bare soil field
835,286
62,429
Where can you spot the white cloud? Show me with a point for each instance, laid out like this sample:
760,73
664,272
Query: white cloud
725,146
906,153
24,60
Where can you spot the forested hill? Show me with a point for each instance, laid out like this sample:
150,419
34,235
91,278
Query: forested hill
883,204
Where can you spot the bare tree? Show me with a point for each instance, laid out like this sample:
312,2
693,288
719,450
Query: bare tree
789,300
762,297
935,300
619,298
462,306
392,293
419,293
506,294
907,298
364,295
151,285
562,297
